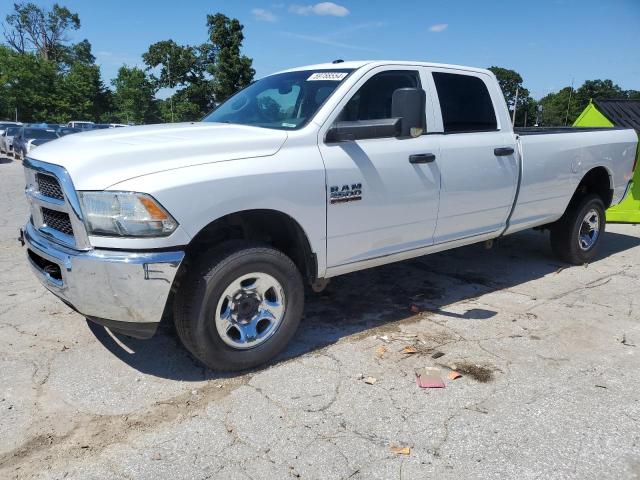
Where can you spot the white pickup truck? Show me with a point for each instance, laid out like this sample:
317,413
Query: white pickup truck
304,175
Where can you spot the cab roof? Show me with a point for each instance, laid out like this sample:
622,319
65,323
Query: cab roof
355,64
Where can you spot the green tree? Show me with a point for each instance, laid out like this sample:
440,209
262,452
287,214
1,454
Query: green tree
183,68
28,84
134,97
563,107
32,29
200,76
78,53
511,82
81,94
555,107
231,71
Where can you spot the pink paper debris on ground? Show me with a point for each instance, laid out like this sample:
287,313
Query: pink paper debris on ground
429,378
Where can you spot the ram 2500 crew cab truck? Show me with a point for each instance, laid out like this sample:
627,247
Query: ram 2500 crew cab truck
304,175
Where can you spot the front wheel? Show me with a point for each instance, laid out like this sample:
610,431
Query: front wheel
240,307
575,238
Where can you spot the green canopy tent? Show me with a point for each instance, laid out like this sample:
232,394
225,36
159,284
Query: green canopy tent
617,113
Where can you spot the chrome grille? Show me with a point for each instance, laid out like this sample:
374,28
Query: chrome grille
55,207
59,221
49,186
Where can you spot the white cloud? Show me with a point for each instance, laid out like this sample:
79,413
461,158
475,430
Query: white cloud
322,8
438,27
264,15
327,41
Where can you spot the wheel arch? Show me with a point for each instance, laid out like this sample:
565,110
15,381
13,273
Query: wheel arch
597,180
269,226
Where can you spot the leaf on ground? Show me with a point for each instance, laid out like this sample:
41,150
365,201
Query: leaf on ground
452,375
398,450
409,350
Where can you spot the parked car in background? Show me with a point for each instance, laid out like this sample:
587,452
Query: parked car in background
28,138
82,125
101,126
63,130
6,139
5,125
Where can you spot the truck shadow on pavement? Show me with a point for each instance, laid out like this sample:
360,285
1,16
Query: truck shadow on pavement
376,300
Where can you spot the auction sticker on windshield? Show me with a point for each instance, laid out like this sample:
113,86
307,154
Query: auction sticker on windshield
337,76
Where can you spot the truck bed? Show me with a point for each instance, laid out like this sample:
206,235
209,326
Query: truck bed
552,165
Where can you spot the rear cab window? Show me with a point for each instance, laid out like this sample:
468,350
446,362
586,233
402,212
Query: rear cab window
465,103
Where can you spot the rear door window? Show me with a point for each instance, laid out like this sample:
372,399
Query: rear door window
465,103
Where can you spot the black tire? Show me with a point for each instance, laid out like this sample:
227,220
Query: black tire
565,233
198,295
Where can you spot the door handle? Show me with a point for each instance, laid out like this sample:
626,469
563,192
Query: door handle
422,158
503,151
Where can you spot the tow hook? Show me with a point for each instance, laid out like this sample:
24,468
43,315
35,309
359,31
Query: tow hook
21,238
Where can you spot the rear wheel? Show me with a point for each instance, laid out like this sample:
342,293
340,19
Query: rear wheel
241,307
575,238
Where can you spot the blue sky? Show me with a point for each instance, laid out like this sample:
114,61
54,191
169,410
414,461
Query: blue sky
548,41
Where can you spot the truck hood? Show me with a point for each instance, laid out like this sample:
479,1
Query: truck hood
101,158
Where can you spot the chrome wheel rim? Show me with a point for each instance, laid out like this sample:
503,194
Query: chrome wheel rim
589,230
250,310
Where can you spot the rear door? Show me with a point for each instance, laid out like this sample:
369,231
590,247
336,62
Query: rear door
477,161
378,202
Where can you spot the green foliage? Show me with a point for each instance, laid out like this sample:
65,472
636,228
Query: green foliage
203,75
563,107
511,82
134,97
29,84
231,71
554,108
81,94
182,67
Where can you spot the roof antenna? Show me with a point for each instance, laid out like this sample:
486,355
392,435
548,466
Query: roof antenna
339,60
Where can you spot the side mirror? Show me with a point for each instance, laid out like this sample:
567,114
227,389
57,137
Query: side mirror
407,120
409,105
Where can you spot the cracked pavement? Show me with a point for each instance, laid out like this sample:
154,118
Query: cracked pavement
561,345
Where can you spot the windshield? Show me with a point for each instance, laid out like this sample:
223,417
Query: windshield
39,133
285,101
11,131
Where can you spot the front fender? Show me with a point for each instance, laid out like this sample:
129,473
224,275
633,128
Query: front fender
291,182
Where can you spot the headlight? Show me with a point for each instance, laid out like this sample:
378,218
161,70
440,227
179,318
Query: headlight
125,214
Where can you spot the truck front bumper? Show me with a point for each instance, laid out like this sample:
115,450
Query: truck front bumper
126,291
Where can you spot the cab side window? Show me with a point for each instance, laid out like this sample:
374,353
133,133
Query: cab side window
373,100
465,103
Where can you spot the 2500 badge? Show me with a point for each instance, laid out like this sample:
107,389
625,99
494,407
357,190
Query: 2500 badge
345,193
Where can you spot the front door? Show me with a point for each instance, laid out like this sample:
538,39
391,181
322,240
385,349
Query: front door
378,202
